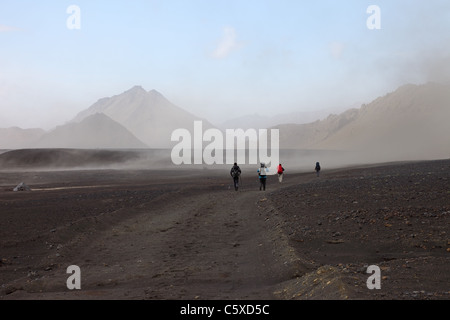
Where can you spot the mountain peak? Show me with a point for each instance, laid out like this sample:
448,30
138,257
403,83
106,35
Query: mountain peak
149,116
140,90
136,89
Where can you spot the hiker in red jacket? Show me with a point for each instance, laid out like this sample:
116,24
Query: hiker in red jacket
280,173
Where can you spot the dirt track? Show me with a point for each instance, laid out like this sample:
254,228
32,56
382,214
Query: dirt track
182,235
152,241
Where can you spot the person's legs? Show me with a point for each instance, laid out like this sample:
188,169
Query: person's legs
280,177
264,183
236,183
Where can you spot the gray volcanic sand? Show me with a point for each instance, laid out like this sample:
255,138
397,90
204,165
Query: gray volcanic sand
180,234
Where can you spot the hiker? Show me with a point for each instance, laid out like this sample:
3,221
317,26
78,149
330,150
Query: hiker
262,171
235,173
317,168
280,173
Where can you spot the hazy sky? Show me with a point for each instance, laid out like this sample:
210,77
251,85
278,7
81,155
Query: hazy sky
215,58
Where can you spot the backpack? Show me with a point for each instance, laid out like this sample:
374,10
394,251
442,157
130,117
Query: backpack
235,172
280,169
262,171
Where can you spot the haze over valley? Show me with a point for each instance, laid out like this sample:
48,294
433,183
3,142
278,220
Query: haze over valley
410,123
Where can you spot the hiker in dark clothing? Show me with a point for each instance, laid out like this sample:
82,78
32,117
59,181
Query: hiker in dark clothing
235,173
317,168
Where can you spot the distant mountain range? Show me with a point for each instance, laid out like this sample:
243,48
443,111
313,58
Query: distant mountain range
258,121
147,115
134,119
409,123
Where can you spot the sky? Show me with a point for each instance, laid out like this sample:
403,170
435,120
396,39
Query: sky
218,59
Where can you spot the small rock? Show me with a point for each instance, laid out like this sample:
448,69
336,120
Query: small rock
32,273
21,187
